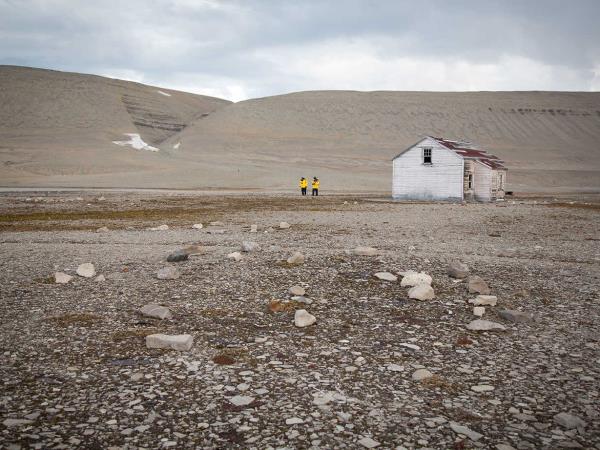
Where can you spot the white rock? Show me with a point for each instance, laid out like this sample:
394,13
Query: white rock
460,429
296,258
102,230
322,399
253,228
485,325
412,278
160,228
250,246
421,374
198,226
482,388
569,421
284,225
16,422
303,319
216,223
367,442
386,276
156,311
293,421
181,342
364,251
241,400
395,368
411,346
297,290
62,278
421,292
489,300
168,273
86,270
479,311
237,256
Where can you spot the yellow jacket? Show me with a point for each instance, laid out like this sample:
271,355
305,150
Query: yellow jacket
315,184
304,183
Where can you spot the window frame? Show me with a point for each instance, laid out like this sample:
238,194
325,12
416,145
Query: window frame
425,150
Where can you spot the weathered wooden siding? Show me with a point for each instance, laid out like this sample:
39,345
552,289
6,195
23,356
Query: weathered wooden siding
442,180
483,182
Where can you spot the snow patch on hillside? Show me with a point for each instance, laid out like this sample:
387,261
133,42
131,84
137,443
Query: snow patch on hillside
136,142
166,94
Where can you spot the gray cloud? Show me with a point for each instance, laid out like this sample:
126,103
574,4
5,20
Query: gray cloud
244,49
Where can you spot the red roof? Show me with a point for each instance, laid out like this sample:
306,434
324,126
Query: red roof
469,151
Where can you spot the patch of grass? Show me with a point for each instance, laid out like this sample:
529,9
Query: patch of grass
79,319
45,280
463,341
223,359
230,356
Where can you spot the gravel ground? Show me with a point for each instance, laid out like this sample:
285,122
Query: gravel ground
76,373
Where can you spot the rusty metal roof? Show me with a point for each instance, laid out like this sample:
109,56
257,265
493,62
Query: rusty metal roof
469,151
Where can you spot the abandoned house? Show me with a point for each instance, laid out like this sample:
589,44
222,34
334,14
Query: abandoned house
440,169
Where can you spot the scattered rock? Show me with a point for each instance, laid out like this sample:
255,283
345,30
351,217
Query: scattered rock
236,256
569,421
303,319
412,278
250,246
458,270
395,368
364,251
198,226
62,278
159,228
284,225
293,421
8,423
296,258
482,388
100,278
485,325
513,315
421,292
421,374
386,276
460,429
487,300
181,342
253,228
411,346
479,311
156,311
476,285
86,270
168,273
102,230
367,442
216,223
297,290
178,256
241,400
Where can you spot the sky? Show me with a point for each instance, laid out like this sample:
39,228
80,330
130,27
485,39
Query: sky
255,48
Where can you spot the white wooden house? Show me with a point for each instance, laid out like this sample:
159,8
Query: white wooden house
440,169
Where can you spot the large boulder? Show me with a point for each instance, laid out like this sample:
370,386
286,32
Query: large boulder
412,278
458,270
477,285
181,342
421,291
86,270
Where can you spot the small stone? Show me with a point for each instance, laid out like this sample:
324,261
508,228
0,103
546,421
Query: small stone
489,300
367,442
284,225
86,270
159,228
303,319
253,228
296,258
178,256
421,374
460,429
322,399
102,230
458,270
62,278
216,223
569,421
421,292
297,290
16,422
156,311
411,346
293,421
395,368
250,246
197,226
479,311
482,388
100,278
168,273
181,342
364,251
236,256
513,315
241,400
412,278
485,325
386,276
476,285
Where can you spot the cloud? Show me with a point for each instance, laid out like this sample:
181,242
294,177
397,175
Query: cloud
241,49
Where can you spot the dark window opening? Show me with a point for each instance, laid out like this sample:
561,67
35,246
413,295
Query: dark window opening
470,181
427,156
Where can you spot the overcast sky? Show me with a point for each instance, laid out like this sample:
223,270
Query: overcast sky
245,49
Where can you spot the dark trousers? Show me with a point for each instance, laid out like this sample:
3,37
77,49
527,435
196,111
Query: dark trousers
303,191
315,192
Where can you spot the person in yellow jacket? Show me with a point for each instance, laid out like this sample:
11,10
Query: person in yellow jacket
315,186
303,185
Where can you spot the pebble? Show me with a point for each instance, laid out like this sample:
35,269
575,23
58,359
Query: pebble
178,256
250,246
364,251
296,258
476,285
412,278
102,230
62,278
284,225
367,442
303,318
479,311
236,256
241,400
421,374
488,300
458,270
569,421
156,311
168,273
386,276
460,429
485,325
86,270
100,278
198,226
421,292
159,228
253,228
395,368
297,290
293,421
16,422
181,342
482,388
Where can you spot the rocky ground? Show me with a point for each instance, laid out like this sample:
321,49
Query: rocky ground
76,371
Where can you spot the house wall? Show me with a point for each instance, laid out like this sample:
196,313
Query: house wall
442,180
483,182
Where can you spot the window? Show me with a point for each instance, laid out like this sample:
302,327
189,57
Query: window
470,181
426,156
